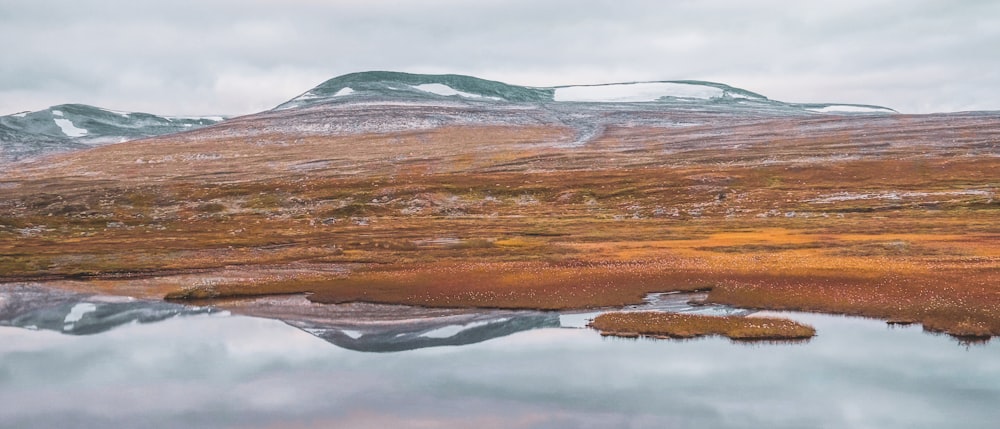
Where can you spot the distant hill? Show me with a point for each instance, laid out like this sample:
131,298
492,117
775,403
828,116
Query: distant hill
77,126
408,86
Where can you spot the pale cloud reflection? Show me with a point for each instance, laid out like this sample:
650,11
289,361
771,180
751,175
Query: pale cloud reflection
214,371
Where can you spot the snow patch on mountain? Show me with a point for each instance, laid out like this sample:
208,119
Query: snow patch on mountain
119,113
850,108
68,128
636,92
447,91
344,91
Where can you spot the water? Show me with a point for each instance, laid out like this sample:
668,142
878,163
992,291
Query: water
213,369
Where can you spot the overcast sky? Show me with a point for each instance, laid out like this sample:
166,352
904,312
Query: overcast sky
242,56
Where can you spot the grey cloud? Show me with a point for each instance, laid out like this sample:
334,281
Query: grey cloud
232,57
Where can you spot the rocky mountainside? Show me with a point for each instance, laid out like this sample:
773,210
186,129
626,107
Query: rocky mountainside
77,126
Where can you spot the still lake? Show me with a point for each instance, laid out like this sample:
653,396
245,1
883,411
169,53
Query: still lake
158,365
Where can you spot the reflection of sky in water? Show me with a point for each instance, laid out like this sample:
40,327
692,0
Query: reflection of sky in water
210,371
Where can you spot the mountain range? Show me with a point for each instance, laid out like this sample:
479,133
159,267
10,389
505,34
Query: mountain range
70,127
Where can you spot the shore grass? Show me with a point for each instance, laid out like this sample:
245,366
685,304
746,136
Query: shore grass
673,325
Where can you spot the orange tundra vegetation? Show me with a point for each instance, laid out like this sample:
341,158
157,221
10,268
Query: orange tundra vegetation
484,218
674,325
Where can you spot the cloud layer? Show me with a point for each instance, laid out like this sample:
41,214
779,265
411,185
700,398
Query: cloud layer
234,57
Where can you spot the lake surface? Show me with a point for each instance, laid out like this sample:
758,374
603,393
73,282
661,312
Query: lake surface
84,361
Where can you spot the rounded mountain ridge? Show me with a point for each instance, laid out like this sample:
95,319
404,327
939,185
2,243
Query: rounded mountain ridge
383,85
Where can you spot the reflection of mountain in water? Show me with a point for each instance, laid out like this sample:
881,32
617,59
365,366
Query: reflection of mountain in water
391,328
430,333
35,307
362,327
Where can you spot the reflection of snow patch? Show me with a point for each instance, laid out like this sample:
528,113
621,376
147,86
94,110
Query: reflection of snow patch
636,92
452,330
351,333
577,320
445,90
76,313
68,128
198,118
314,331
344,91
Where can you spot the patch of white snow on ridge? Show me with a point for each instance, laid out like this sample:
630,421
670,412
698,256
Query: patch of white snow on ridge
445,90
849,109
120,113
308,96
68,128
20,115
636,92
57,113
344,91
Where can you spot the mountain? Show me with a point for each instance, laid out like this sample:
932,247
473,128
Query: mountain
415,86
375,123
355,103
77,126
375,85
